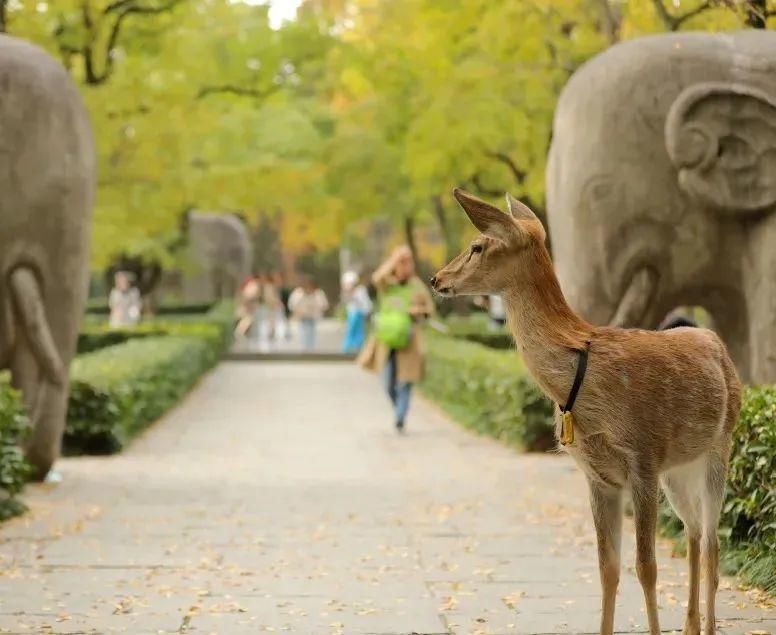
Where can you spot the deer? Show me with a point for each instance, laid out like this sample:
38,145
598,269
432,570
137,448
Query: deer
649,409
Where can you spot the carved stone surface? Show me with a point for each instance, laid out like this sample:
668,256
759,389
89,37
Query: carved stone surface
221,256
47,176
661,187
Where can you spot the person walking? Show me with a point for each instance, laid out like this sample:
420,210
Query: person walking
308,303
496,312
248,303
395,348
282,313
357,307
264,315
124,301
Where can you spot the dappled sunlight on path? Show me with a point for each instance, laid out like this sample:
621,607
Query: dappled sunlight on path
277,498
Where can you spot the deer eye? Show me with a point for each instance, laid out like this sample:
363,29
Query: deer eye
476,249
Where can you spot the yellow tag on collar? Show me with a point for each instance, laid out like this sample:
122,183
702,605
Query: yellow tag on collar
567,428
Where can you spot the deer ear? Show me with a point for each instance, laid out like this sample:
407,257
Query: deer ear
519,211
490,220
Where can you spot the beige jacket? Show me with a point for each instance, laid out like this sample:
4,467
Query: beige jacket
410,361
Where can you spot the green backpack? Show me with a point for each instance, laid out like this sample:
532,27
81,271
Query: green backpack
393,322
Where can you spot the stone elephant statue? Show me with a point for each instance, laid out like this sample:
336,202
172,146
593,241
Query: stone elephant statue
47,179
222,252
661,187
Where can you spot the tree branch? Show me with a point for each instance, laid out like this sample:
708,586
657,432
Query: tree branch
482,189
116,5
673,22
507,160
124,9
233,89
612,19
757,13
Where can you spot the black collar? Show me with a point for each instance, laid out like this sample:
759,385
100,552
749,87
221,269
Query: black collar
578,377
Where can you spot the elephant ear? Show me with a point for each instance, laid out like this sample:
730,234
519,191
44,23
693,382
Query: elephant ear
722,139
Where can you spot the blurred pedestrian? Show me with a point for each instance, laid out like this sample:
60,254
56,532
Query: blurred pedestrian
308,303
281,312
248,303
496,312
676,319
396,347
124,301
266,312
358,306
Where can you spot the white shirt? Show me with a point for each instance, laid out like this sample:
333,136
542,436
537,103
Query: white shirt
308,306
496,307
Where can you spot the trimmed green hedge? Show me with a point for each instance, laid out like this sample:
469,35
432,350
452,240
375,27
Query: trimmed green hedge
478,328
14,470
750,508
488,391
117,391
99,306
95,336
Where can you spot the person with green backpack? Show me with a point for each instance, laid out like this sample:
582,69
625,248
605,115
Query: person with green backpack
395,347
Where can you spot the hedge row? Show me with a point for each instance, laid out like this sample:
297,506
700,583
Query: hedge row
14,470
478,328
97,335
117,391
99,306
126,378
489,391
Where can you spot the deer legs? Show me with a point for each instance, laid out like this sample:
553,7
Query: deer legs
684,498
606,504
645,498
713,495
695,491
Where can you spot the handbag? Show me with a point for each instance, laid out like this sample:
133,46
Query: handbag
393,322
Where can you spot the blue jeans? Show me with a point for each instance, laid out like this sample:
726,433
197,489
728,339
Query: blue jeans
307,333
398,391
355,332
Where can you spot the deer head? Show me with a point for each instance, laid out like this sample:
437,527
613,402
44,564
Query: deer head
503,251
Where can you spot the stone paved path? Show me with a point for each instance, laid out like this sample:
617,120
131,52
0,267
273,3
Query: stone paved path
276,498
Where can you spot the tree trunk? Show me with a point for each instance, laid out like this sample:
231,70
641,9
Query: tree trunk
612,20
3,16
448,235
409,235
756,13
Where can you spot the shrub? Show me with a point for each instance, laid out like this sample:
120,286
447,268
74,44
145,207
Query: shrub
14,470
94,336
750,506
117,391
99,306
749,513
478,328
488,391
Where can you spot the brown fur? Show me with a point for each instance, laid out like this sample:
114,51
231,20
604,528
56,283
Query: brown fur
654,407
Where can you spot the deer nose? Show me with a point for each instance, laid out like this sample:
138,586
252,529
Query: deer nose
433,282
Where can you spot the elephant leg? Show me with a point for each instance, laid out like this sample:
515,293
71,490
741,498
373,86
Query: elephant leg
759,267
39,372
25,372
